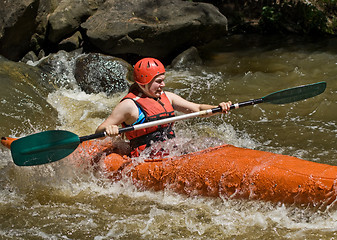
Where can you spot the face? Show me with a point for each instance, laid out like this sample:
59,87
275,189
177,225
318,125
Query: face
155,87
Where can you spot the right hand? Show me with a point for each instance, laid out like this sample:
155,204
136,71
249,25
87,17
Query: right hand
225,106
112,130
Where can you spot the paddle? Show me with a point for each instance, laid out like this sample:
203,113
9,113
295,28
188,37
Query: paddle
50,146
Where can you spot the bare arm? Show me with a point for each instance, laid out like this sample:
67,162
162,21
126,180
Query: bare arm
182,105
126,111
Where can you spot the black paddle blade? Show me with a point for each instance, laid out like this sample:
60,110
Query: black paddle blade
295,94
43,147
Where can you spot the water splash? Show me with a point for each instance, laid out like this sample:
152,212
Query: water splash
59,201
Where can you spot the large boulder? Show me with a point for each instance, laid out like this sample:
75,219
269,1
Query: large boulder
129,29
186,59
153,28
17,25
92,72
96,73
23,26
68,16
24,106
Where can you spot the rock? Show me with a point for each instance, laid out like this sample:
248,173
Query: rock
129,29
30,56
23,25
59,68
41,54
68,16
38,41
30,75
24,92
188,58
100,73
72,43
17,25
153,28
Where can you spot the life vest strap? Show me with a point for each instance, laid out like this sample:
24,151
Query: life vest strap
161,135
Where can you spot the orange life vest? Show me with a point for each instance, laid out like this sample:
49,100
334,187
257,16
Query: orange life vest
153,109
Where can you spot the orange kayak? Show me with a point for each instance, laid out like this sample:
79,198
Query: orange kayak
225,171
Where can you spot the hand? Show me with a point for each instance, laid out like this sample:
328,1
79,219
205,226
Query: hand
225,106
112,130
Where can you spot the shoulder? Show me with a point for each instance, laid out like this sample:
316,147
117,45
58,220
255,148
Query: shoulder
171,96
126,108
125,111
127,104
174,98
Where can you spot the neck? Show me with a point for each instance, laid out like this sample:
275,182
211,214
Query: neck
144,89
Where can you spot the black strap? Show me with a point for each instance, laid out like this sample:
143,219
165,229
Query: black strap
162,134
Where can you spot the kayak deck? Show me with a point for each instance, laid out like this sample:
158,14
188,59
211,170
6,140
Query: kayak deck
233,172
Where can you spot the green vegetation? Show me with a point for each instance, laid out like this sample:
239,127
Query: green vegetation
311,17
293,17
330,6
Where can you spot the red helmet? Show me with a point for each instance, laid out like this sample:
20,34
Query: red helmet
146,69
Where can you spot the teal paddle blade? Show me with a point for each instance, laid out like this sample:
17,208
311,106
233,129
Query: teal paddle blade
43,147
295,94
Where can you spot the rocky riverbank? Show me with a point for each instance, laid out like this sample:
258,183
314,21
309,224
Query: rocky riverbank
116,33
128,29
31,29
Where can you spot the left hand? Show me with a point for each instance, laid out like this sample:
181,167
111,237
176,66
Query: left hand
225,106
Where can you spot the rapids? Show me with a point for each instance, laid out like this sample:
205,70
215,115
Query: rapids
56,201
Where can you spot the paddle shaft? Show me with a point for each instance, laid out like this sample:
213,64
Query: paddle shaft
280,97
173,119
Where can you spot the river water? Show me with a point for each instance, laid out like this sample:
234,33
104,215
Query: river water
57,201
